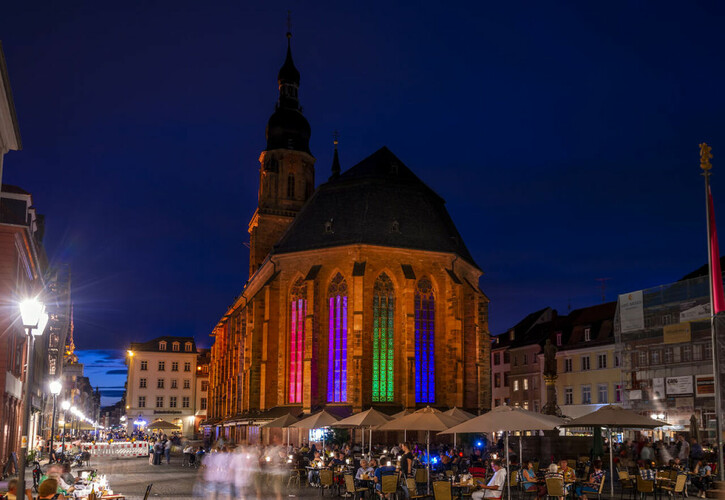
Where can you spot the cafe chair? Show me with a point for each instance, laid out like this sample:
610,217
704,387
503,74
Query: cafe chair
677,488
601,486
325,480
442,490
645,487
413,489
421,476
351,488
295,478
626,482
513,481
555,488
389,485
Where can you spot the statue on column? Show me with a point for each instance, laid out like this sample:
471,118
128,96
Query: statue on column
550,408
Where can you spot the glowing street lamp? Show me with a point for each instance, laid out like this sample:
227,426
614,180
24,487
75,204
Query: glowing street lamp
55,388
35,319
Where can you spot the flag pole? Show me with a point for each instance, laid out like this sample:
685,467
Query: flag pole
705,156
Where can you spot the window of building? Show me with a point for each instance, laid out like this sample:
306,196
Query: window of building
602,361
669,356
525,358
175,346
337,340
568,396
603,396
496,358
187,383
172,402
568,365
506,357
586,394
187,366
160,383
697,352
666,319
558,339
202,404
162,345
526,384
656,356
185,402
162,366
174,366
618,393
298,312
708,351
290,186
506,379
515,361
496,402
497,380
536,407
526,405
144,366
142,401
188,346
204,385
534,383
142,383
159,401
512,335
616,361
587,334
585,363
642,358
424,342
516,385
686,353
173,383
383,338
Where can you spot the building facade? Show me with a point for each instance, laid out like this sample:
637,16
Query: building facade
361,292
161,383
201,401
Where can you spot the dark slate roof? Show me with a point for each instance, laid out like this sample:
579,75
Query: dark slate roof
379,201
153,345
702,271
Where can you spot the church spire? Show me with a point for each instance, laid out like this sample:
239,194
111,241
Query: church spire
335,158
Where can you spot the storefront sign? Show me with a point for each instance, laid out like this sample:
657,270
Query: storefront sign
675,334
678,385
631,311
705,386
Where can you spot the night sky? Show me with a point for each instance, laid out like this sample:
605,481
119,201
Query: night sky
564,138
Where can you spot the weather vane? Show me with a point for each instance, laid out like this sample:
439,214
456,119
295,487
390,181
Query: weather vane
289,23
335,137
705,156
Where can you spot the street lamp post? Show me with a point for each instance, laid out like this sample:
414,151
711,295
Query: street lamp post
55,388
65,405
35,319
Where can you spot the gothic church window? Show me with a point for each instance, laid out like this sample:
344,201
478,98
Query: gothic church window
383,335
298,311
337,340
424,342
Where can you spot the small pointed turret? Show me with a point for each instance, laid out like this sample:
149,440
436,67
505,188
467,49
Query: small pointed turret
335,159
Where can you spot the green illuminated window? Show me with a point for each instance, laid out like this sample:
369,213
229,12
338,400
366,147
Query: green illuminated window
383,333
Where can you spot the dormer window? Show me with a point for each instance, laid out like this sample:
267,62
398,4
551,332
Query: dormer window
511,334
175,347
328,227
187,347
587,334
162,345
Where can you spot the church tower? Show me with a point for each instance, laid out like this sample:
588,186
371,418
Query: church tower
287,168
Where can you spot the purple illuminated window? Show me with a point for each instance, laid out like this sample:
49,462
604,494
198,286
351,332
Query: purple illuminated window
337,340
298,311
424,342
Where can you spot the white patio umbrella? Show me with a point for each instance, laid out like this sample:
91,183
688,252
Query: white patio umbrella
402,414
283,422
317,421
614,416
461,415
366,419
426,419
507,419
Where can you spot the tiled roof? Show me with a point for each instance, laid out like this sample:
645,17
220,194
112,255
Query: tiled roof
153,345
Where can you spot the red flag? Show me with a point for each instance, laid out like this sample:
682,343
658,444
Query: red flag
718,296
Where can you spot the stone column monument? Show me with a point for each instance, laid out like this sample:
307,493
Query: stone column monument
550,408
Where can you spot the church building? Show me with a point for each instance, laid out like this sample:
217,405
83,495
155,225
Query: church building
361,292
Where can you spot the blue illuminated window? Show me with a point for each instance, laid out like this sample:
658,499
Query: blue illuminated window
424,342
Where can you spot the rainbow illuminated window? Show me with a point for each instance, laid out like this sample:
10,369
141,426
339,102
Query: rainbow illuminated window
337,340
383,333
424,342
298,311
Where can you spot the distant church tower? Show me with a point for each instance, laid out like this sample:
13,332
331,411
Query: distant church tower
287,168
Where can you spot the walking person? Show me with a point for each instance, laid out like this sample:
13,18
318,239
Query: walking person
167,451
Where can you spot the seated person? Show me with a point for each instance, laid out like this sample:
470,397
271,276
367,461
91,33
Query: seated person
595,480
48,490
551,473
314,476
567,472
647,472
364,470
528,475
383,470
336,460
702,478
494,488
13,491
